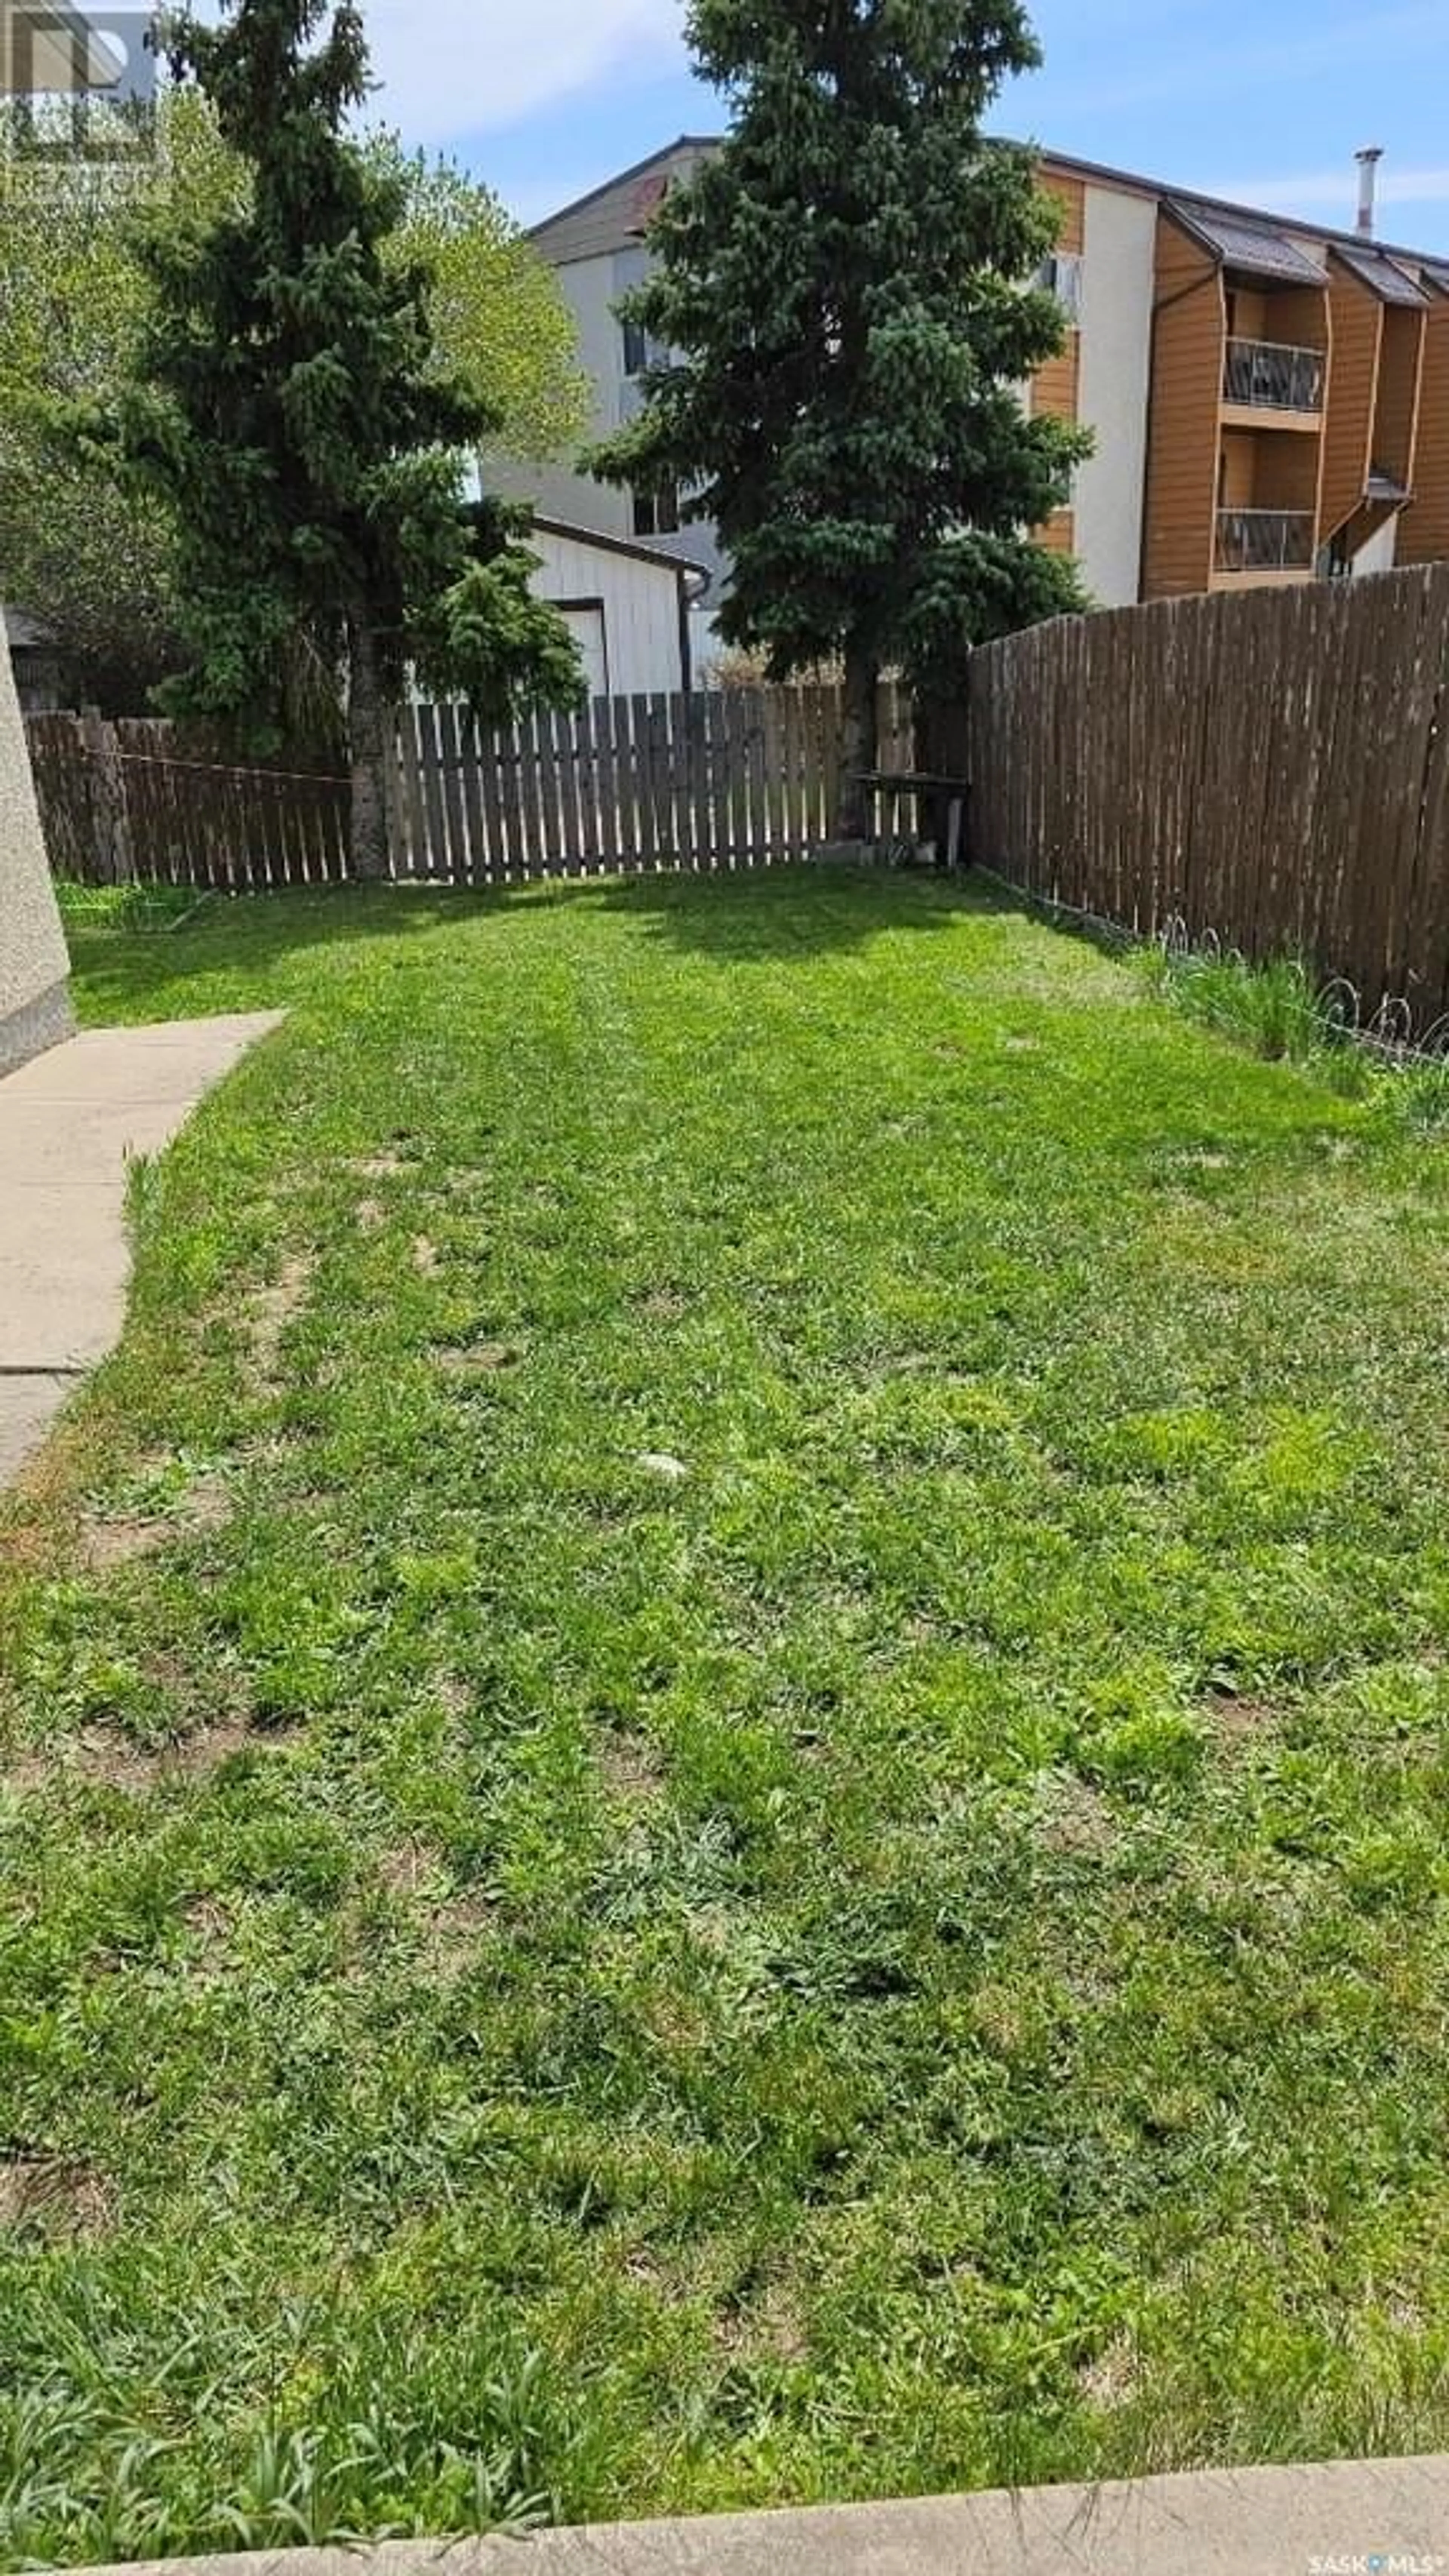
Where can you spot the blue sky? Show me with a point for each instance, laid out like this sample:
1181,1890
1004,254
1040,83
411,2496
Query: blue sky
1266,100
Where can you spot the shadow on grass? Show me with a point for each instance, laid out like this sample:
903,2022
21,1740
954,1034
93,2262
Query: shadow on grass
254,942
788,912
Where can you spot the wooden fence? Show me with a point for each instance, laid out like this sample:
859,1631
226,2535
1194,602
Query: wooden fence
141,801
1272,767
733,778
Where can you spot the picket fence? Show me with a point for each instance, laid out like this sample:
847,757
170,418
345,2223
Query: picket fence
1269,768
723,779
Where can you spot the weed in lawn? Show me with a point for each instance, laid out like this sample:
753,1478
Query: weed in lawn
1281,1010
1275,1008
162,1500
910,1955
130,908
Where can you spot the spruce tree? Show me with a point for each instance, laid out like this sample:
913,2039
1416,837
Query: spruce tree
289,411
94,562
847,298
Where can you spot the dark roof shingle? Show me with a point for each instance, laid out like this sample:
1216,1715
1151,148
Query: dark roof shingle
1260,249
1375,269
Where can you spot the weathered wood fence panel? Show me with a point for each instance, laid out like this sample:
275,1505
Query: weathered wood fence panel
736,778
137,799
80,805
1271,767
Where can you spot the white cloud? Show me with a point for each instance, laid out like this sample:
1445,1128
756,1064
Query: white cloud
456,67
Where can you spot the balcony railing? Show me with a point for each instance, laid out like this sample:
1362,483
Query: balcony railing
1268,377
1265,541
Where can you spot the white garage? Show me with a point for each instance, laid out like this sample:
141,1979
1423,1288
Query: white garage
627,604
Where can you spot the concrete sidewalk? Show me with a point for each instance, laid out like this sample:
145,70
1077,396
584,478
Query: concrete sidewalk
1383,2518
70,1123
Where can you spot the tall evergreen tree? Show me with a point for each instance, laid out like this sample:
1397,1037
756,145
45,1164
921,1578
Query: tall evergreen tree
289,410
847,295
95,563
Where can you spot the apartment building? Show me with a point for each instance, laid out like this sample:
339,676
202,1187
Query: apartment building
597,247
1270,401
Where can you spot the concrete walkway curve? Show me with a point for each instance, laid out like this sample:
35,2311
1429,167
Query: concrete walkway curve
1380,2518
71,1122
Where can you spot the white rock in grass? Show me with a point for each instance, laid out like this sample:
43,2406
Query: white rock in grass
657,1462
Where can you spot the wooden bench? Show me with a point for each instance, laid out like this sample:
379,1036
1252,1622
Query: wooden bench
933,797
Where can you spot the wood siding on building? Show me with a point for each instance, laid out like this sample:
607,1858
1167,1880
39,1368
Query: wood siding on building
1285,473
1290,317
1401,365
1248,313
1071,196
624,607
1056,387
1237,482
1352,398
1424,528
1386,399
1187,377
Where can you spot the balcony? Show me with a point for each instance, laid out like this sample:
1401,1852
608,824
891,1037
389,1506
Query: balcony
1263,375
1265,541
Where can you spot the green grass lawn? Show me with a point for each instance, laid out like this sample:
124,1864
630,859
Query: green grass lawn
723,1750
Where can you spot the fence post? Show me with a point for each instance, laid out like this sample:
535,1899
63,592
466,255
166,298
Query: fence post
110,813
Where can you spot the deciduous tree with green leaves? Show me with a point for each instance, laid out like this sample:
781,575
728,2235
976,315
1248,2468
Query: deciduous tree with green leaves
848,294
94,563
498,309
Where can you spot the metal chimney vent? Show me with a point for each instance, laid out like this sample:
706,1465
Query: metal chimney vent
1368,174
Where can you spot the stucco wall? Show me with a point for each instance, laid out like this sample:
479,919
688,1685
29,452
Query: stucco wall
1117,285
34,1006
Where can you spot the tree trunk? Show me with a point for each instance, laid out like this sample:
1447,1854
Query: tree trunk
858,744
367,715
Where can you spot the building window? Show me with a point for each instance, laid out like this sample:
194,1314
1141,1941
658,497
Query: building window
640,352
1061,275
656,511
